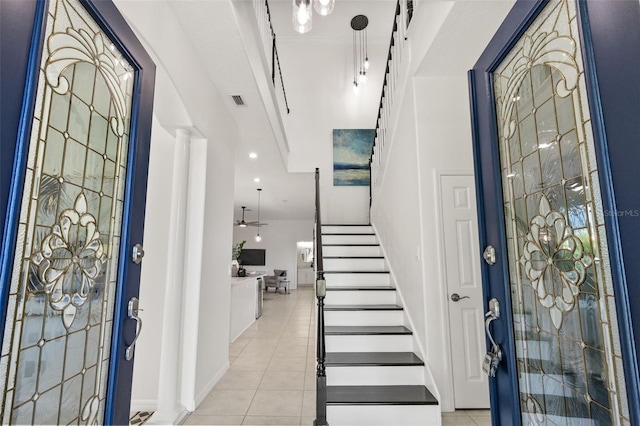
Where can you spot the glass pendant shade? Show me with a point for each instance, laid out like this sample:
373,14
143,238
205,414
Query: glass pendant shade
324,7
302,15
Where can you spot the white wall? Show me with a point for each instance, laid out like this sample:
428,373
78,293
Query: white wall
432,134
154,271
186,98
279,239
316,124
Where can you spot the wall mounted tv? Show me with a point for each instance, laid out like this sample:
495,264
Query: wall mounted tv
252,257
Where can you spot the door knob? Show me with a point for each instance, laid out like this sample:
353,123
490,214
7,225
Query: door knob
137,253
456,297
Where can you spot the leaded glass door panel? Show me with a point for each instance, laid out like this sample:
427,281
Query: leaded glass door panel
79,170
566,362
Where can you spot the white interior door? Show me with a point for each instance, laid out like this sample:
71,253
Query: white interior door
460,231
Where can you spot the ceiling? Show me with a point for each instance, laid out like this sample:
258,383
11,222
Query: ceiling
320,79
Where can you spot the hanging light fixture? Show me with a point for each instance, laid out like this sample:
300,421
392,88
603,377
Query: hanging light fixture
324,7
360,52
302,15
258,237
303,12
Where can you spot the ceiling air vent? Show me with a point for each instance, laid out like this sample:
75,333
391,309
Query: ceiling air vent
237,99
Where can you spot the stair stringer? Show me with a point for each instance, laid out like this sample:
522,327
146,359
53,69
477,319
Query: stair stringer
429,379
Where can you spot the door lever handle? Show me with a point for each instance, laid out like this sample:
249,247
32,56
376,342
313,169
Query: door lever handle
132,311
494,356
456,297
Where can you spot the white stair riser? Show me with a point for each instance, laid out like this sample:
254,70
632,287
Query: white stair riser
351,251
375,375
354,264
351,318
370,343
349,280
328,229
384,415
360,297
349,239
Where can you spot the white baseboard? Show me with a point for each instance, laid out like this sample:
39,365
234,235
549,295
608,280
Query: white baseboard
144,405
200,396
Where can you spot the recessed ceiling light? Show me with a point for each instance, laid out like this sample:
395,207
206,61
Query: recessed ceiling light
256,180
253,155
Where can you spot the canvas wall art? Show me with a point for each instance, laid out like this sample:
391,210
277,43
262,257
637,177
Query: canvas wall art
351,153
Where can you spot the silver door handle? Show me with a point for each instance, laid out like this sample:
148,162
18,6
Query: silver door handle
132,311
456,297
494,356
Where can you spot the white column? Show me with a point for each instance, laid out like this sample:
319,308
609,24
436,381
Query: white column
193,270
169,406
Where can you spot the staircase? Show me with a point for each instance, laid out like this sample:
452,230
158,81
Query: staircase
373,375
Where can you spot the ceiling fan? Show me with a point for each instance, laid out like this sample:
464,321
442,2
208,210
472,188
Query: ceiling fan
243,224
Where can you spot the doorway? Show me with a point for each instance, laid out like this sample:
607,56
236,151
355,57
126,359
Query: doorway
304,263
459,228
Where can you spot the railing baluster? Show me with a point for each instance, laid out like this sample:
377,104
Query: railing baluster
389,90
321,288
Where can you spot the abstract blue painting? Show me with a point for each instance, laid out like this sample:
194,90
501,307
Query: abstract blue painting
351,153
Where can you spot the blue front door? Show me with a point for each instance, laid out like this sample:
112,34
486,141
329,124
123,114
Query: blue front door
555,101
77,93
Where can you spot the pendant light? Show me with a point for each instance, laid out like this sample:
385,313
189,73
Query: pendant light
302,15
324,7
360,51
258,237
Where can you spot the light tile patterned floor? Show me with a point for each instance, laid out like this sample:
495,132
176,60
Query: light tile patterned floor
271,380
467,418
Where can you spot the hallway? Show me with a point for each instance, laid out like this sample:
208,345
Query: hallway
271,379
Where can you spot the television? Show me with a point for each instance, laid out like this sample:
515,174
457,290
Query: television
252,257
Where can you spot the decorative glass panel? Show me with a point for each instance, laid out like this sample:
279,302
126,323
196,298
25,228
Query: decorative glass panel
58,332
567,341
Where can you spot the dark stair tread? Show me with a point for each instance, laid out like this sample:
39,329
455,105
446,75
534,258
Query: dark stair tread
361,288
356,272
370,307
380,395
343,330
363,359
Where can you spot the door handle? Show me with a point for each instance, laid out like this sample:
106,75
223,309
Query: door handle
456,297
494,356
132,311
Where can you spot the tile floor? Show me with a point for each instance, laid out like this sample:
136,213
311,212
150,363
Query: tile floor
271,379
467,418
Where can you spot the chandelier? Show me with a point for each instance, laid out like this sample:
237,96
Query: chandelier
303,13
360,55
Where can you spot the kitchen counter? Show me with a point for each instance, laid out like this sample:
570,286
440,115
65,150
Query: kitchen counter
244,298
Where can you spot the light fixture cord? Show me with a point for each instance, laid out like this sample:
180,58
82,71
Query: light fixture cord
259,191
355,67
